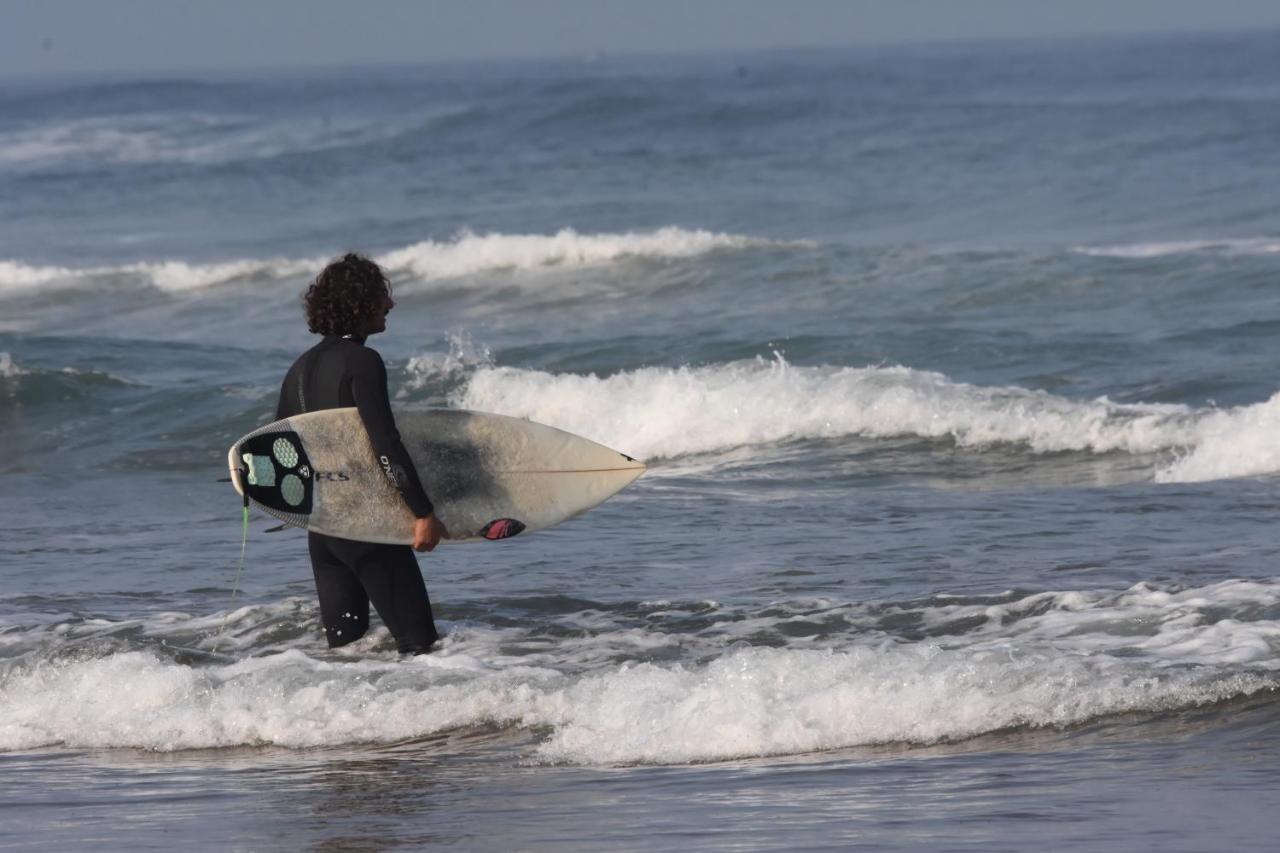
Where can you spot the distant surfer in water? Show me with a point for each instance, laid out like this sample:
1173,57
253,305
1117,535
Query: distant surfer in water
346,303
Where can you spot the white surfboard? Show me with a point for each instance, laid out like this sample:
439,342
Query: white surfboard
489,476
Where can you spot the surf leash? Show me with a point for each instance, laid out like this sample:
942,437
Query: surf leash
235,586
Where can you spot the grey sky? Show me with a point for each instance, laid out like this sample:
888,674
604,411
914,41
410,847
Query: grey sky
41,36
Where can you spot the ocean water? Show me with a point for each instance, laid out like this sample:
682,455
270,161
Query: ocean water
954,367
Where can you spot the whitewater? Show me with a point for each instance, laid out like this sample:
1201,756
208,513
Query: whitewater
953,367
1078,656
463,254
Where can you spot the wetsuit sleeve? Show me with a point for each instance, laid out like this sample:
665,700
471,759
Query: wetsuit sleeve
287,407
369,387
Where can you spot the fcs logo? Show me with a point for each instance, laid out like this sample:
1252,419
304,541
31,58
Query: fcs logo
332,476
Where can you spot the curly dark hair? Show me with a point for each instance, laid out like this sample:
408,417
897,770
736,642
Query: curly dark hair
348,290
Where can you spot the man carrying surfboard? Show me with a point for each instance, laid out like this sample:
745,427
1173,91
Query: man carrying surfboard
346,304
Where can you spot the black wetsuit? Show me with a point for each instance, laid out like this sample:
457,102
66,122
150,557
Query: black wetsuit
338,373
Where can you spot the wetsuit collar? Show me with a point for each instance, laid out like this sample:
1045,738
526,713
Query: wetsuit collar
360,339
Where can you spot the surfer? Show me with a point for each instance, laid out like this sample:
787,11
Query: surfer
346,303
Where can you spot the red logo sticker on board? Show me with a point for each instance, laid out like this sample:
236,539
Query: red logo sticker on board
501,528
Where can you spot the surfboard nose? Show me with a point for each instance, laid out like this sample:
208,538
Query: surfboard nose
630,470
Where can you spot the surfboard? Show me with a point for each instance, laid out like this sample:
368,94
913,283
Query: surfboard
489,476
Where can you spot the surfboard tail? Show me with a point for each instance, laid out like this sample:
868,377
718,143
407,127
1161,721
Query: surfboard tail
270,468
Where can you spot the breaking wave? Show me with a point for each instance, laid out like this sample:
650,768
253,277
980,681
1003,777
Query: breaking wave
1241,246
661,412
1045,660
465,254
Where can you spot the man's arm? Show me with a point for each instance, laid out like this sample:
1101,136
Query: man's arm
286,407
369,387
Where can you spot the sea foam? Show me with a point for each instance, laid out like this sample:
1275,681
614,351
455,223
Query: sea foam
660,413
8,369
141,139
773,701
1047,660
1236,442
465,254
170,276
1237,246
469,253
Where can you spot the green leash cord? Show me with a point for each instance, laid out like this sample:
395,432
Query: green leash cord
235,587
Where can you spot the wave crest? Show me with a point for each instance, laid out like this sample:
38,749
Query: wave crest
169,276
469,252
664,412
661,413
1237,246
1046,660
465,254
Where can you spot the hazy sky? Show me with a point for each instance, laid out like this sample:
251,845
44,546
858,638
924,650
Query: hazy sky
38,36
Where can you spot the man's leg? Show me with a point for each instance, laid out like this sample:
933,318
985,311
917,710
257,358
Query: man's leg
394,584
344,605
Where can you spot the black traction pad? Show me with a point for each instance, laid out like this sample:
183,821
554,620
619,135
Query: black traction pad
278,475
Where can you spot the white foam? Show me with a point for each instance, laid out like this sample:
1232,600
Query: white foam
8,369
171,276
1164,628
661,413
469,253
465,254
194,138
1242,246
776,701
463,357
15,276
1046,660
664,412
178,275
83,139
1236,442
